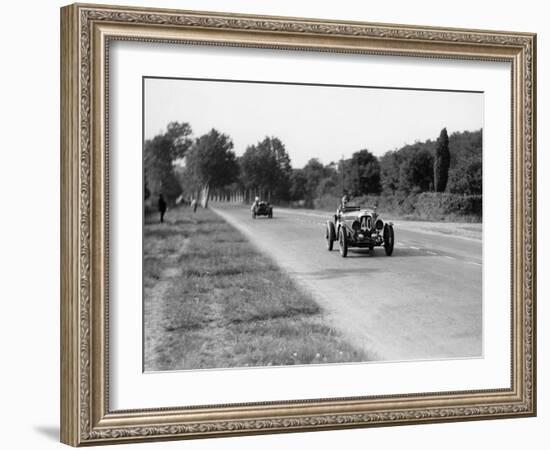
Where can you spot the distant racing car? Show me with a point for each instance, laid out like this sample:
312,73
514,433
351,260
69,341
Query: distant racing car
262,208
356,227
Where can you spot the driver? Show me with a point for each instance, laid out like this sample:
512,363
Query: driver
343,204
256,201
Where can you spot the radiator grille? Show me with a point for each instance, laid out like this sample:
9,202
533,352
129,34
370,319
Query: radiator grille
366,222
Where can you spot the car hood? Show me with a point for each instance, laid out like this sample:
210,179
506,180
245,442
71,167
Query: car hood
356,214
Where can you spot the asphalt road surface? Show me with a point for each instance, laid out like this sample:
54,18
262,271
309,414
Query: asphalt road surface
423,302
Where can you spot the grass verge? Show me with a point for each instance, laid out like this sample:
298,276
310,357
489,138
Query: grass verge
211,300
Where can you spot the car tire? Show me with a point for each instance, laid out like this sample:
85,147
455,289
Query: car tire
330,235
389,239
253,214
270,214
343,241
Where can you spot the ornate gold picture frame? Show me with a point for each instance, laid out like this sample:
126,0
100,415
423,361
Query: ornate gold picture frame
87,31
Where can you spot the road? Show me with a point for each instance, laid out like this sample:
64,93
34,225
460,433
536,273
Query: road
423,302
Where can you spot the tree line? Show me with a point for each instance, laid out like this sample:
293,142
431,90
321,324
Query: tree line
179,165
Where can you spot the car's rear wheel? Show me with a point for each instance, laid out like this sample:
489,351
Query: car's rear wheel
330,235
389,239
270,215
343,241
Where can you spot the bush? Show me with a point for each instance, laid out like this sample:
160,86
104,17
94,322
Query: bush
429,206
424,206
327,202
444,206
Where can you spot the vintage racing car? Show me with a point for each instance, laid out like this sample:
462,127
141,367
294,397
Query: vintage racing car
262,208
356,227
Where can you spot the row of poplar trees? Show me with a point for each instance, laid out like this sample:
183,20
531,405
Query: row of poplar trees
176,165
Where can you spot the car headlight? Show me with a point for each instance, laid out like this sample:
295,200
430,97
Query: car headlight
379,224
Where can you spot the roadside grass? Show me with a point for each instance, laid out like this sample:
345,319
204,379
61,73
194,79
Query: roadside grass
160,243
211,300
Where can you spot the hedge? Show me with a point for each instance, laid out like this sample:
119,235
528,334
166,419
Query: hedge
425,206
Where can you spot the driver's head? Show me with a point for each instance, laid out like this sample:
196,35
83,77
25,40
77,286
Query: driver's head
345,199
257,199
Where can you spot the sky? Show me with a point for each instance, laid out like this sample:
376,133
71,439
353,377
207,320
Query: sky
324,122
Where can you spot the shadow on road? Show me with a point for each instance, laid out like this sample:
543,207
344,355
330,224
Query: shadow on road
406,252
379,253
328,274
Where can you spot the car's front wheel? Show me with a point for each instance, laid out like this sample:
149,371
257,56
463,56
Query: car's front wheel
330,235
389,239
343,241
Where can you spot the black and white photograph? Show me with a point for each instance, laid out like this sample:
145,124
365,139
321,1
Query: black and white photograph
297,224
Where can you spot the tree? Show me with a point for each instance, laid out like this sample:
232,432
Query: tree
159,168
465,147
266,169
314,171
258,169
442,161
362,174
389,172
406,169
416,172
280,189
326,186
146,190
160,154
467,179
211,163
298,183
465,173
179,135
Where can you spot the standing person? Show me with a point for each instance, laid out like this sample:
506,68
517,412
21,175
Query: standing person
194,205
161,207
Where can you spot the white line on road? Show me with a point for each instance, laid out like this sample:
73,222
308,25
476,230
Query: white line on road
474,263
449,257
414,248
431,253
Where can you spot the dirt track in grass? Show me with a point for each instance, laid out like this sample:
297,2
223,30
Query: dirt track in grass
211,300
